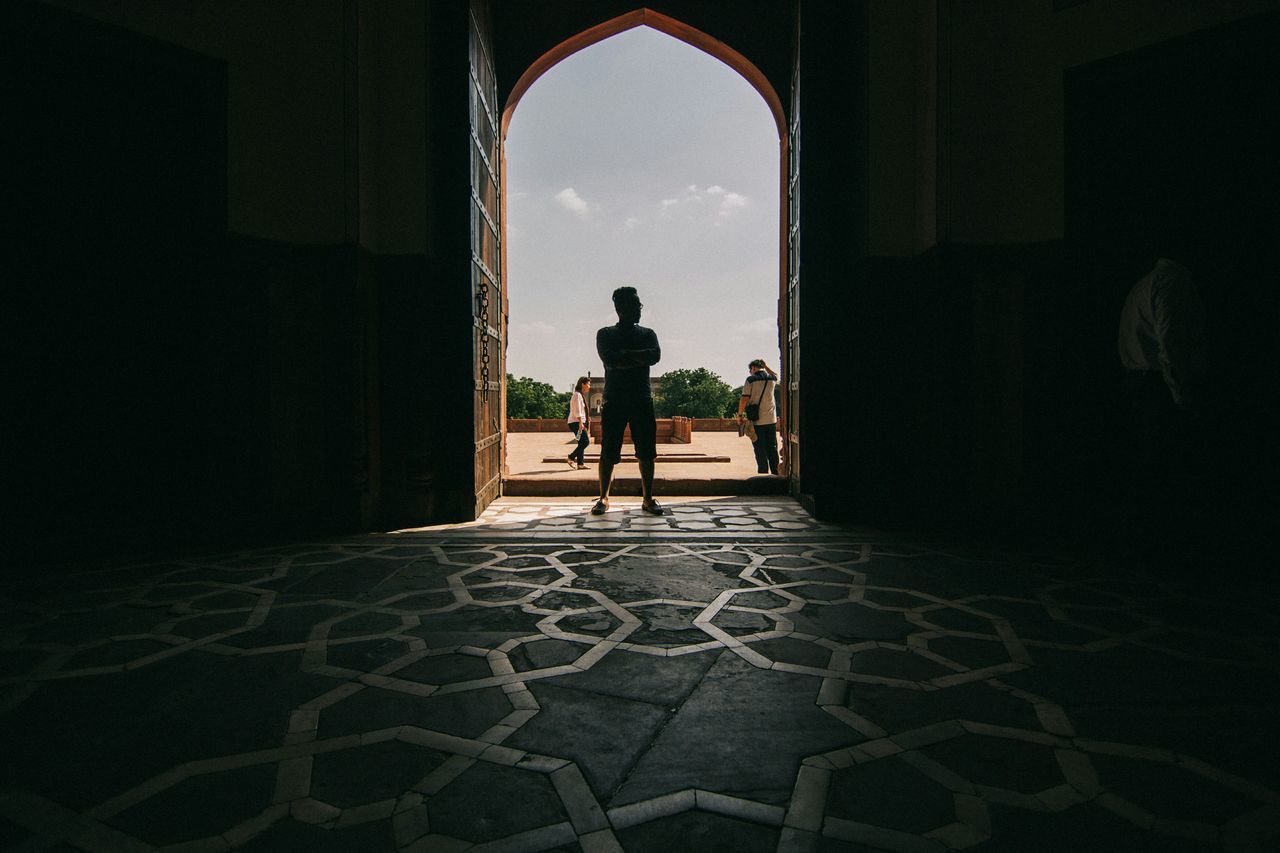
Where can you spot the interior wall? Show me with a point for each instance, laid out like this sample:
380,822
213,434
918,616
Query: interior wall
982,382
117,191
1001,100
902,138
318,296
259,276
1171,151
291,105
285,119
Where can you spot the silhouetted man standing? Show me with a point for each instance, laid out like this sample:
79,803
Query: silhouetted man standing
627,350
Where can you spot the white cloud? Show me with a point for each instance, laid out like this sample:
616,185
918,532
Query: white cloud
569,199
726,201
731,202
764,324
632,221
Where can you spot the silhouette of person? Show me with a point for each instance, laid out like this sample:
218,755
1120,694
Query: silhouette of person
627,350
1161,344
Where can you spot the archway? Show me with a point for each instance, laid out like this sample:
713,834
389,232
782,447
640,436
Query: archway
726,55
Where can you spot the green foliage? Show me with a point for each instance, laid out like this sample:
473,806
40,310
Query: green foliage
696,393
529,398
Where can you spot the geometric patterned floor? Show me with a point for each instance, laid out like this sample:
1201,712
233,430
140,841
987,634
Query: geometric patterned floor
731,676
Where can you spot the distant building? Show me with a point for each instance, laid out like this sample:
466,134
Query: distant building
596,399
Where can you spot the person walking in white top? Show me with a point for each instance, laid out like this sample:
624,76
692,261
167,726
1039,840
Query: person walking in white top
579,421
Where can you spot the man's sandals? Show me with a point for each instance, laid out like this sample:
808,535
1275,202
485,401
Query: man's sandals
652,507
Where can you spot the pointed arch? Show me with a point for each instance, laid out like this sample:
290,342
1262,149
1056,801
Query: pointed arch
664,24
786,305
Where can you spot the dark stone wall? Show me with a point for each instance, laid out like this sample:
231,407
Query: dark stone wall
177,384
1171,151
833,244
116,194
947,407
975,386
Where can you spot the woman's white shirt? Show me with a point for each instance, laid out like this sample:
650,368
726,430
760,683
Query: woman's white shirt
577,409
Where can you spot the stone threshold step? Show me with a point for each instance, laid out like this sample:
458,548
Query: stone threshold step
662,457
630,486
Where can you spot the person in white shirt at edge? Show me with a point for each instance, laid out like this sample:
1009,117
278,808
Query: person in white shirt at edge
1161,334
758,390
1162,347
579,421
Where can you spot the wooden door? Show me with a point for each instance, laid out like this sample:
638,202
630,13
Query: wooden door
486,258
790,320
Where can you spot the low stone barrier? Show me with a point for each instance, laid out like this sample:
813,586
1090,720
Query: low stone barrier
715,424
537,425
684,431
670,431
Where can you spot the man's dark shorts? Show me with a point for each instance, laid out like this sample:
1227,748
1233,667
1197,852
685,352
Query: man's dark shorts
614,419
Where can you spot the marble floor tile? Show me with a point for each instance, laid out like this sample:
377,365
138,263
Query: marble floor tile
732,675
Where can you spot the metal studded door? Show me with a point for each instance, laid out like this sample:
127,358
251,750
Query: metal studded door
791,303
486,258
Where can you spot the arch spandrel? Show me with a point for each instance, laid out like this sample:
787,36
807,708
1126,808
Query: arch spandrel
663,24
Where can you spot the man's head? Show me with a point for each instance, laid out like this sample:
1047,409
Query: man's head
627,303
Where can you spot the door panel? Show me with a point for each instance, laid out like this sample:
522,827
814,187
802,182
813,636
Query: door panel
486,254
791,306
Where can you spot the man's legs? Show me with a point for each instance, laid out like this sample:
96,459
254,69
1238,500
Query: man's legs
644,433
613,423
646,479
766,448
606,478
757,447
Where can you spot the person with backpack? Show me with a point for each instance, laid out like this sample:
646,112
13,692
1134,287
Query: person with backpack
758,407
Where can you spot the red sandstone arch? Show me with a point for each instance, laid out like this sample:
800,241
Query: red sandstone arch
664,24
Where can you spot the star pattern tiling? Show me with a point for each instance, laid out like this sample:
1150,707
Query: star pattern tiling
733,675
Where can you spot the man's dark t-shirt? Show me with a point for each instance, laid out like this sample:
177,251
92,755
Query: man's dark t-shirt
627,351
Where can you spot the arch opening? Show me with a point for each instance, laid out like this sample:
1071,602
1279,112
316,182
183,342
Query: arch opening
772,302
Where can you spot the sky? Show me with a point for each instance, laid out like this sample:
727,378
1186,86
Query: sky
643,161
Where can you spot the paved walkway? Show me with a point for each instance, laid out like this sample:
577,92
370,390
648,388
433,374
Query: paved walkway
680,469
734,676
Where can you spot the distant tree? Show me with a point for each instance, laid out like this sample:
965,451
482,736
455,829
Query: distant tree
529,398
697,393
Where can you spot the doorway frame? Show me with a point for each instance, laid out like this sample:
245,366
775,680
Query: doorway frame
748,71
